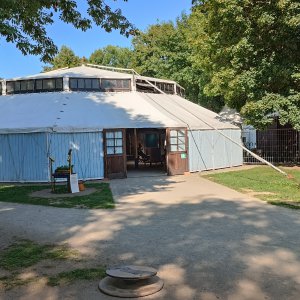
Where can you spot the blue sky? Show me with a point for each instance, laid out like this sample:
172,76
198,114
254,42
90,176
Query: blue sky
142,13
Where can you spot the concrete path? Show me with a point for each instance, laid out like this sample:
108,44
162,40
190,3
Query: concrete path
207,241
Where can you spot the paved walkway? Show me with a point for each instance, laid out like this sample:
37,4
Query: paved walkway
207,241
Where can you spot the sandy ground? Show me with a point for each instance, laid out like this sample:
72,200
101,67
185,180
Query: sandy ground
207,241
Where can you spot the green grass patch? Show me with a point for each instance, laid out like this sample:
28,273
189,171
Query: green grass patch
77,274
27,253
12,281
264,183
20,262
101,198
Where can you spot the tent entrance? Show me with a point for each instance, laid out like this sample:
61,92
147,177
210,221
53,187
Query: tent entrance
146,150
115,153
177,151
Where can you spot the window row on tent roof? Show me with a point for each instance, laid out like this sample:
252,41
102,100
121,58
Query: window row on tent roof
75,84
144,86
88,84
34,86
96,84
168,88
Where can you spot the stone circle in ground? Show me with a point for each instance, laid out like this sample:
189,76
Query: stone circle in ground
130,288
131,272
131,282
47,193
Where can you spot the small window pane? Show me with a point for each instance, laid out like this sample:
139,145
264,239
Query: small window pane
173,147
109,135
108,83
181,140
119,84
119,150
119,142
126,84
80,83
17,86
48,84
10,87
30,85
173,133
59,83
110,142
95,84
181,147
23,85
118,134
39,84
110,150
73,83
88,83
181,133
173,140
105,83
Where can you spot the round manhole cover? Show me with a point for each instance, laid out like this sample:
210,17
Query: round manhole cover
131,272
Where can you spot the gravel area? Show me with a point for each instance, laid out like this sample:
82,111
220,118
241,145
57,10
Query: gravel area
207,241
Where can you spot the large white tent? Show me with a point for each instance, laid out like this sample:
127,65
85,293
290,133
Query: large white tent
37,125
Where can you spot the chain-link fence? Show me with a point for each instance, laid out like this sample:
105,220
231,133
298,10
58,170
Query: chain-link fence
278,146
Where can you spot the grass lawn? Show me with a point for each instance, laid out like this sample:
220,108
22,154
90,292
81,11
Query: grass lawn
26,257
264,183
101,198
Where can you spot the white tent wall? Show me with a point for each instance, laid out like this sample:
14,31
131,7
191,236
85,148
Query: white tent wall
87,152
208,149
23,157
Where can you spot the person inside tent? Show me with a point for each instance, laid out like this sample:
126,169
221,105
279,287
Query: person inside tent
142,155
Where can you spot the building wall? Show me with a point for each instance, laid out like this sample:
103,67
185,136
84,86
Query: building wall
87,152
25,157
208,149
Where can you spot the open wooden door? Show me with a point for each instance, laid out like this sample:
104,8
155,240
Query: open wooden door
177,151
115,153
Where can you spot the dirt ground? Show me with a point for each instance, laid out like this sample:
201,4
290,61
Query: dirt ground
207,241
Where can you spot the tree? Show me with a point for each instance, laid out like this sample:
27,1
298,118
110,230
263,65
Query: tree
112,56
65,58
24,22
249,52
164,51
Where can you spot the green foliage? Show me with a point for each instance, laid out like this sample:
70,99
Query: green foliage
65,58
24,22
77,274
249,52
265,183
261,113
112,56
164,51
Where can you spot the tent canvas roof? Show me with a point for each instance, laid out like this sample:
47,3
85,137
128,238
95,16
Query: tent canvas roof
90,111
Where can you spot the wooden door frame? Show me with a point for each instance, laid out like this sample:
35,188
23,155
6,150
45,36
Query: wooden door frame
116,155
168,147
